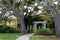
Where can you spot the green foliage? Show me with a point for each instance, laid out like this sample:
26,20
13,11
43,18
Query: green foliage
11,1
5,18
17,30
29,1
41,0
8,29
11,30
17,5
30,31
50,24
36,8
30,19
44,32
36,18
25,10
4,28
4,2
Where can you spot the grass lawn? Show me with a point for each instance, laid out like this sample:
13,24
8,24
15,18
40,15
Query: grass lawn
43,38
8,36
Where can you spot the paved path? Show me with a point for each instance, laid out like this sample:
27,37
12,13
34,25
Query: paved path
24,37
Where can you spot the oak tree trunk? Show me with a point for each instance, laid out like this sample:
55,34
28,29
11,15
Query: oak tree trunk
56,21
22,24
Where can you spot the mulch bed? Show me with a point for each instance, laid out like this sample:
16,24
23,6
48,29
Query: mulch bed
48,36
42,36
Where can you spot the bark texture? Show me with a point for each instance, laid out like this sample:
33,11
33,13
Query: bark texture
56,19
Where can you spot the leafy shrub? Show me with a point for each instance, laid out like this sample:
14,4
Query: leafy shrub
11,30
8,29
17,30
54,31
4,28
30,30
50,24
44,32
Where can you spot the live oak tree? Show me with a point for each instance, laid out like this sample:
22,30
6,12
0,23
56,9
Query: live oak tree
18,6
50,6
56,16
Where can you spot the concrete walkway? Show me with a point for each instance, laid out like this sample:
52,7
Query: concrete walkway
24,37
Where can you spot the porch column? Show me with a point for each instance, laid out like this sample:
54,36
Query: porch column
44,25
35,27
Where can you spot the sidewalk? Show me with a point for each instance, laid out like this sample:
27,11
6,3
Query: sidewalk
24,37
